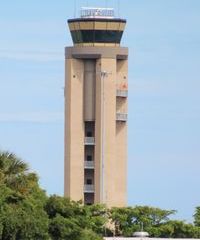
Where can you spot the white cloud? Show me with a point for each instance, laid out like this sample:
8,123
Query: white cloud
32,117
40,56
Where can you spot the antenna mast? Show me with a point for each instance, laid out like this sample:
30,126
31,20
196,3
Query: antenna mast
74,8
106,3
118,7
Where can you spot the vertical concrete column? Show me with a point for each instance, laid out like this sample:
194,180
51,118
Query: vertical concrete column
121,136
74,130
89,89
98,133
106,130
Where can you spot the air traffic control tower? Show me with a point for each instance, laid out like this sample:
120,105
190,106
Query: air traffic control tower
96,91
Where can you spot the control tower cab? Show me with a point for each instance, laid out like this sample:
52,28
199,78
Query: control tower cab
97,27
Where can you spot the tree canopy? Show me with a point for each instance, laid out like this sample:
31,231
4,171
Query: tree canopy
22,214
197,217
26,212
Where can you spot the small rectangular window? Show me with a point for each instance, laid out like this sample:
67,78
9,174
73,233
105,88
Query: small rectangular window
89,134
89,158
89,181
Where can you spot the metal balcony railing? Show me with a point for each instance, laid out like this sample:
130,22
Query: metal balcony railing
89,164
88,188
123,117
122,93
89,141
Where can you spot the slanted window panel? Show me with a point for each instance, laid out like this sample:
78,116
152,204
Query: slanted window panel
79,37
88,36
76,36
73,33
98,36
103,36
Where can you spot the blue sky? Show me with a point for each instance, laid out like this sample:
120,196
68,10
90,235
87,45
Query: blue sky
164,81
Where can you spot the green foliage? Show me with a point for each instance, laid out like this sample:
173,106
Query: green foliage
14,174
129,220
89,235
26,213
183,230
95,218
69,218
64,228
22,214
197,217
154,220
61,228
24,222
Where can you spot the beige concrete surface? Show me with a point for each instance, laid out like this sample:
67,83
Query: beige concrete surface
93,75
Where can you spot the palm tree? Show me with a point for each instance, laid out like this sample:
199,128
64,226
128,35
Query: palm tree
10,164
14,173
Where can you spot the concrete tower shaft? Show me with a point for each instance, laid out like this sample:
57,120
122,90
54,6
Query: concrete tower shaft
96,90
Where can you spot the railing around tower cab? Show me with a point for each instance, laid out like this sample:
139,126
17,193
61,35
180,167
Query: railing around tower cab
89,12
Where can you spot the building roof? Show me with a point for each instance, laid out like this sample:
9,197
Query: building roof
134,238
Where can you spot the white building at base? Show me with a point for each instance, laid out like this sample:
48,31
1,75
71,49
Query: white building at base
134,238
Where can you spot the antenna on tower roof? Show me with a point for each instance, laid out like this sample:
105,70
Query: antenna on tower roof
74,8
118,7
106,3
